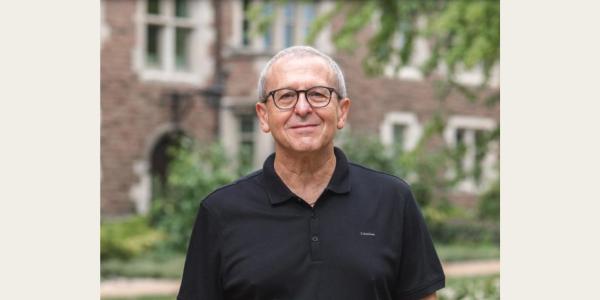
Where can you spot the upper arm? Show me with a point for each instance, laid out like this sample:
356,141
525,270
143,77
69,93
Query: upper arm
201,274
420,271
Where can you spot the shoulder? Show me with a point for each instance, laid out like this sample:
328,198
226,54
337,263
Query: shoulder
225,195
381,188
360,173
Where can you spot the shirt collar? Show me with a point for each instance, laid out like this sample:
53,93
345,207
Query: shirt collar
278,192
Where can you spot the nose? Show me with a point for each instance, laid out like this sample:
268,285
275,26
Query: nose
302,107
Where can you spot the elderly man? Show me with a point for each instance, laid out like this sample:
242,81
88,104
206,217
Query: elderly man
309,225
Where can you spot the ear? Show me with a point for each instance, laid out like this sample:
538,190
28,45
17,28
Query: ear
343,109
263,116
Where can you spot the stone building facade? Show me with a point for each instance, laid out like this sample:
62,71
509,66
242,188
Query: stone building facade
155,49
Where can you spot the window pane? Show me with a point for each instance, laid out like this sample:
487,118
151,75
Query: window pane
246,155
309,16
399,131
479,142
246,123
181,8
289,25
268,35
460,136
153,7
182,48
246,24
153,51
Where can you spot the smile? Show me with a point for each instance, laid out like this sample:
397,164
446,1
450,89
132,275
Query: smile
303,126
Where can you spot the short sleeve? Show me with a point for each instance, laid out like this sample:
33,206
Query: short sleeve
420,270
201,276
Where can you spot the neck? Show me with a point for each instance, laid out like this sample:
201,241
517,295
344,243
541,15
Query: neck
306,174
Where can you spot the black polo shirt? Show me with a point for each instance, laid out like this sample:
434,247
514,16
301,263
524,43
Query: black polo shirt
365,239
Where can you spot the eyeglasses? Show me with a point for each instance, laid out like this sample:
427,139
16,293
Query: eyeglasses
286,99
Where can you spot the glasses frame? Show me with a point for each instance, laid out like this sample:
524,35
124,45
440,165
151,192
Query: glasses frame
272,95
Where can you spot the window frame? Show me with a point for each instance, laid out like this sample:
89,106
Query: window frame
200,38
413,129
470,125
258,44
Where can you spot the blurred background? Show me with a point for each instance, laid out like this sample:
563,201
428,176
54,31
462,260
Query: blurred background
177,98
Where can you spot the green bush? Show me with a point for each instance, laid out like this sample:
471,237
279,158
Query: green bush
126,238
193,173
467,251
489,203
465,288
144,266
465,231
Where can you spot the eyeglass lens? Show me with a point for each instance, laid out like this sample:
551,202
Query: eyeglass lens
316,96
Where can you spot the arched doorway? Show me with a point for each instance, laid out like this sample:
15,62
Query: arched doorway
162,156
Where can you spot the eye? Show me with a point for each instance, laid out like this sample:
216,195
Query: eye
287,95
319,94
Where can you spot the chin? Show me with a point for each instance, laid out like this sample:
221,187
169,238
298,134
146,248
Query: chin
306,147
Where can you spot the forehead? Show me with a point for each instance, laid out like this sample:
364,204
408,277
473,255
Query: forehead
299,72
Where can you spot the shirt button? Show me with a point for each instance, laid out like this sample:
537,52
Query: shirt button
315,238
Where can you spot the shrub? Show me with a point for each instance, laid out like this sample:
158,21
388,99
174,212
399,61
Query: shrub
126,238
194,172
464,288
489,203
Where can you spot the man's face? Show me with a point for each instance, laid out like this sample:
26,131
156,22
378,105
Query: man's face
303,128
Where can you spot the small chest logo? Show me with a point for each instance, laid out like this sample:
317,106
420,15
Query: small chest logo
367,233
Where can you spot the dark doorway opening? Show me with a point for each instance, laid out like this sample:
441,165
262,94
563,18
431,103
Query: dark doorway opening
162,156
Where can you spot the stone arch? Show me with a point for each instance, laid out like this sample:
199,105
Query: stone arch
152,162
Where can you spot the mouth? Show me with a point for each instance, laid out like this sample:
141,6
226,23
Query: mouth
303,126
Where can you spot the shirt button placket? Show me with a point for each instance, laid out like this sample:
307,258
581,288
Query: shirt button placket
315,243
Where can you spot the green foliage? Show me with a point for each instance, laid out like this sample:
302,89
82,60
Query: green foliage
489,203
144,266
193,173
467,251
464,288
463,33
467,231
127,238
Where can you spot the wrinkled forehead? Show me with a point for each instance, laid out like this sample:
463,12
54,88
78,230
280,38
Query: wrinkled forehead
312,66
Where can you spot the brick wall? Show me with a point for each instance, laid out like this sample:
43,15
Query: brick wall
132,112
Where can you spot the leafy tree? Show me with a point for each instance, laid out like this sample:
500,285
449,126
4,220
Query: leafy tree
194,172
462,34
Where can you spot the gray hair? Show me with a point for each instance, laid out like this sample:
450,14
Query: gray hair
300,51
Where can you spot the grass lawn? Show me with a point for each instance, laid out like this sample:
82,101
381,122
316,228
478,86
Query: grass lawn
169,267
458,252
478,287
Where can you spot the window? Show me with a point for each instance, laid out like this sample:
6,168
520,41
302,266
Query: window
400,130
160,40
399,133
268,34
153,46
288,24
309,16
246,152
246,23
467,134
173,39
